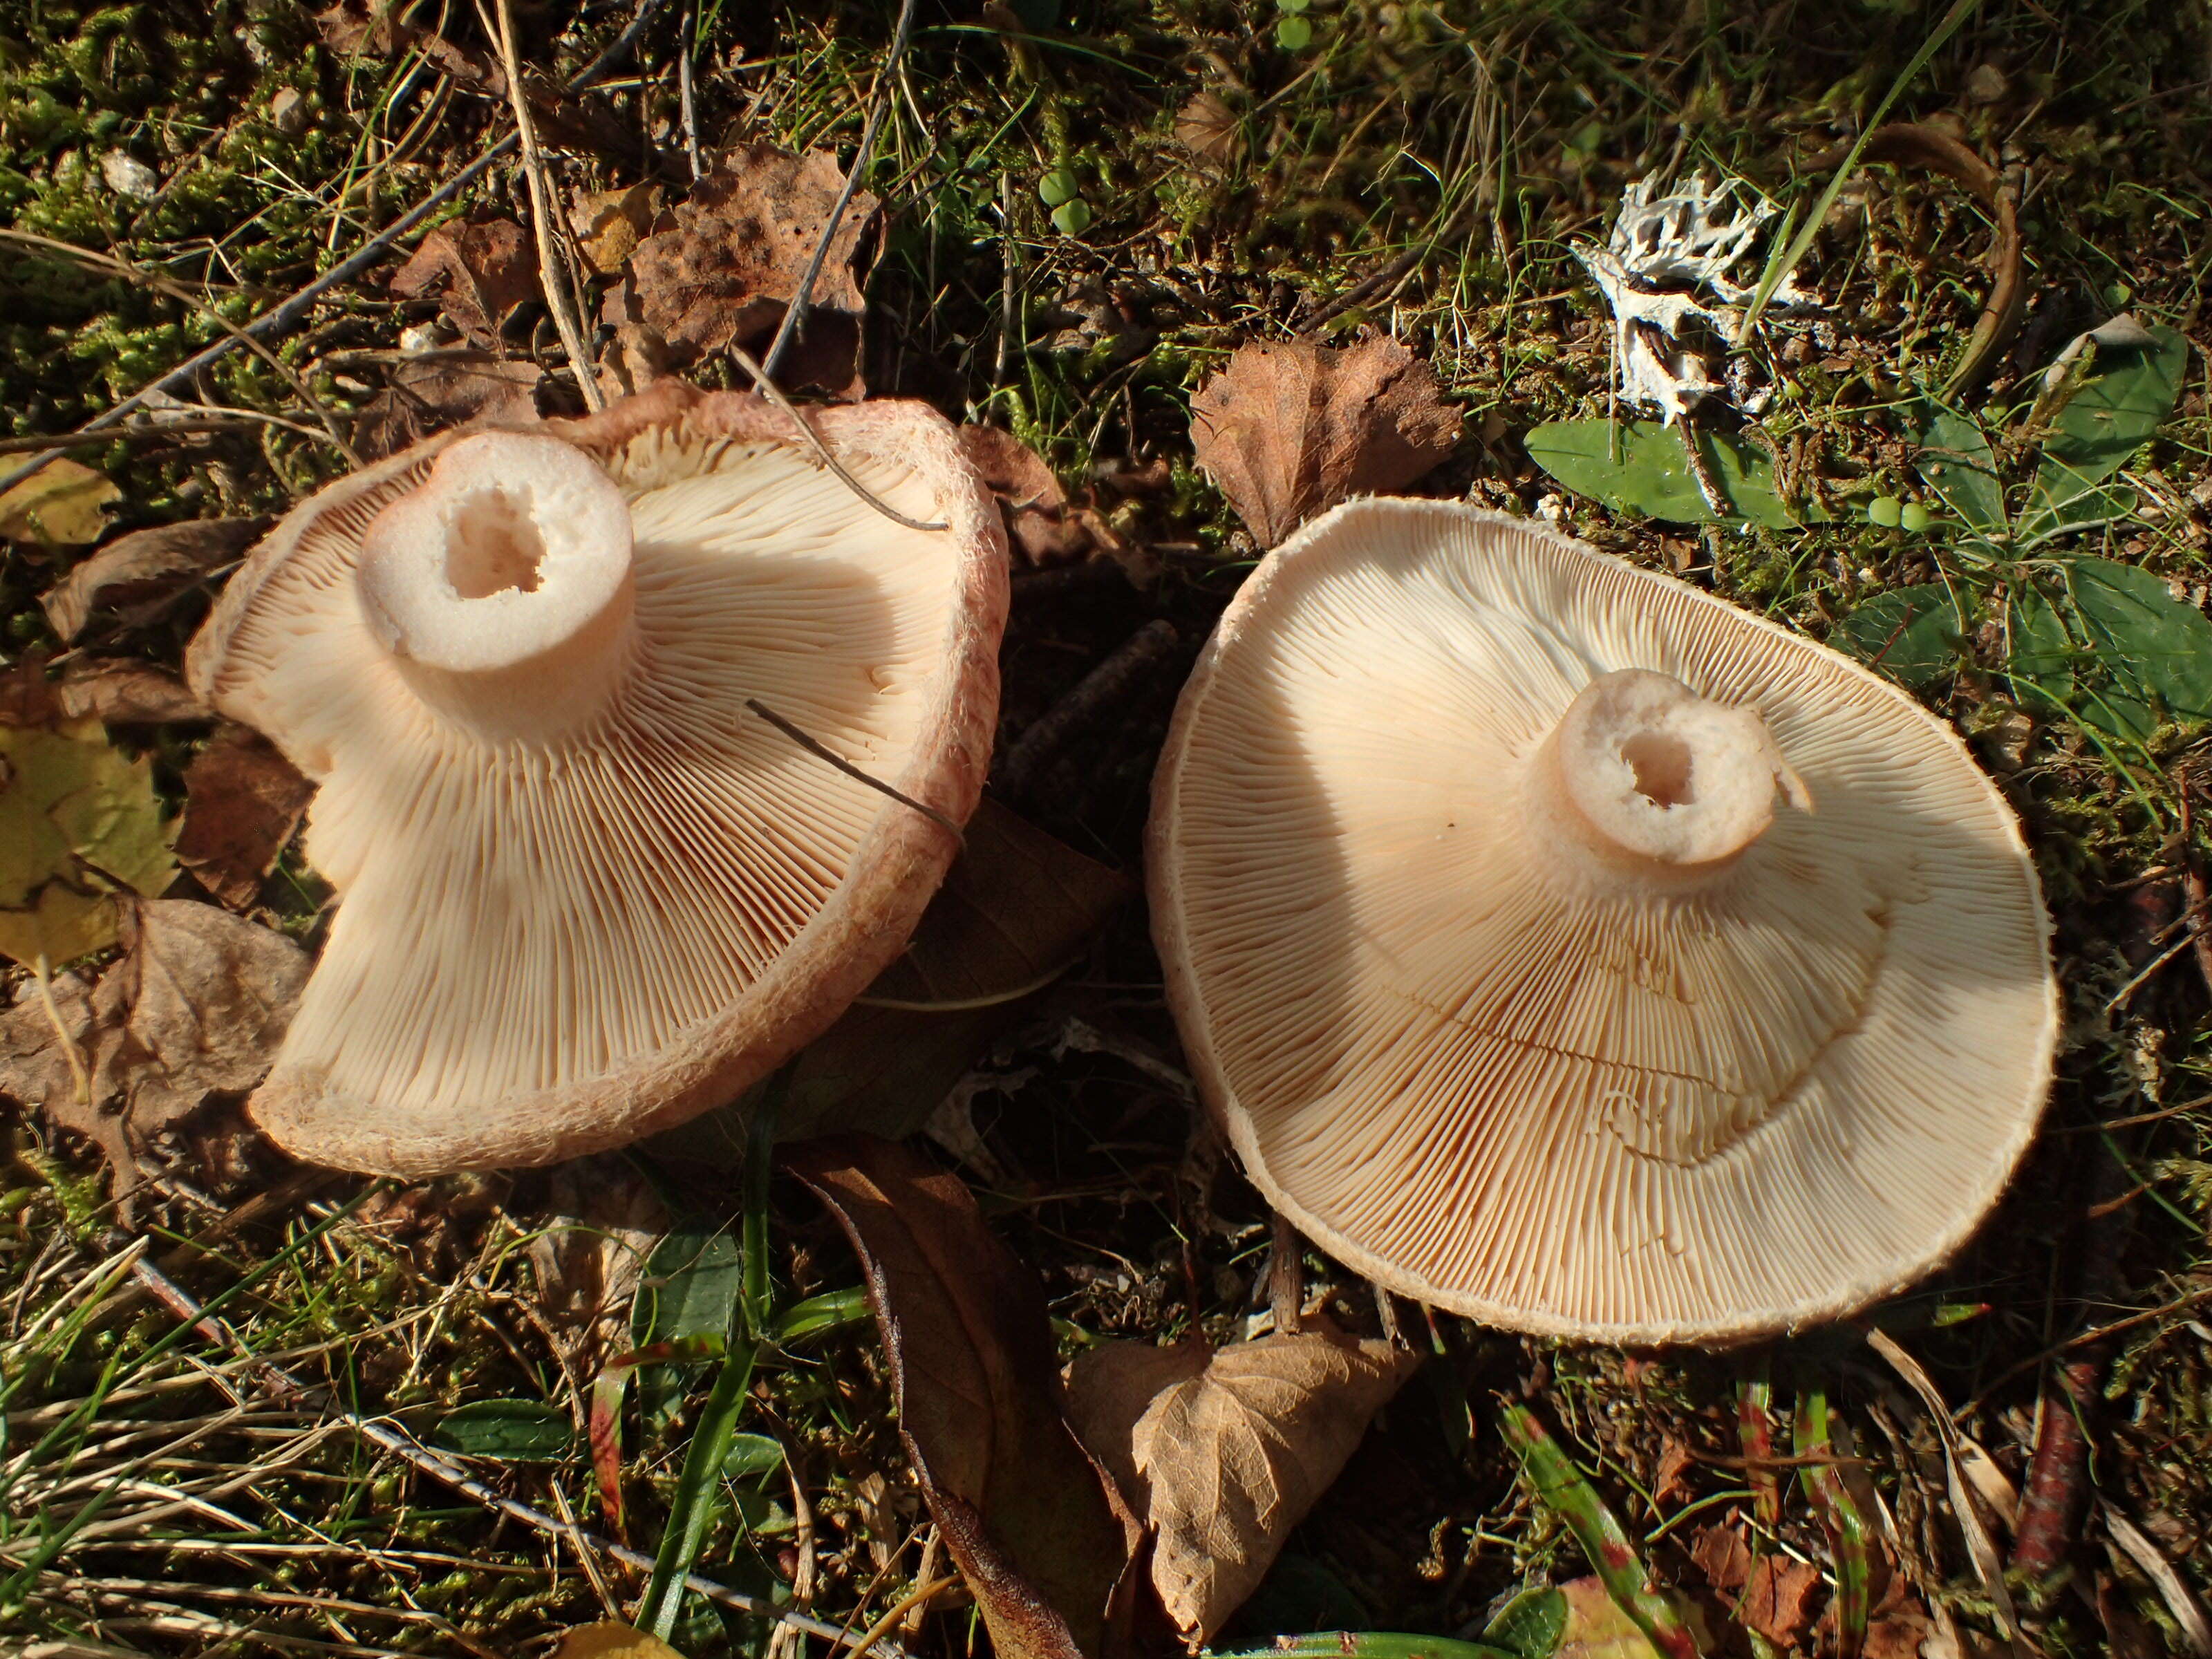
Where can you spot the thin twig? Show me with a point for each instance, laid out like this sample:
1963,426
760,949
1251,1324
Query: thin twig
795,314
43,975
288,315
684,98
286,1388
555,278
899,1609
821,753
769,390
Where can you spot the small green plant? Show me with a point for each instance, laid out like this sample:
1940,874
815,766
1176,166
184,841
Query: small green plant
2104,641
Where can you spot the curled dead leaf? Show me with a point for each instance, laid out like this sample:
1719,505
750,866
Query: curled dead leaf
144,562
1290,429
477,271
123,692
1045,524
192,1010
602,1221
441,389
242,802
722,266
1210,130
1224,1455
1024,1512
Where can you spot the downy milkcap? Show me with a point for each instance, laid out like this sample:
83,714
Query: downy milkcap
588,889
1565,947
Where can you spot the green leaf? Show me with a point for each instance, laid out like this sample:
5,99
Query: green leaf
77,818
1956,461
690,1286
2121,401
2117,647
511,1430
1913,635
2039,653
750,1456
826,1312
1640,467
1531,1623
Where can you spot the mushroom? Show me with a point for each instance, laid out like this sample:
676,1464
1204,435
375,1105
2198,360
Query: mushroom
1567,948
642,740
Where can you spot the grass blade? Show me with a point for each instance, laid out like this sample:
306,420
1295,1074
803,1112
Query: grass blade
1562,1486
1840,1518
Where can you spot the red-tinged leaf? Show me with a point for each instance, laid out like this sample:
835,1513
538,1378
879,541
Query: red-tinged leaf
1840,1519
1754,1427
605,1426
1023,1511
1562,1486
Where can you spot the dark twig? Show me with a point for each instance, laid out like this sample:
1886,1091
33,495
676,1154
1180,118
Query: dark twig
1286,1278
1093,695
795,314
822,753
289,1390
2051,1498
292,312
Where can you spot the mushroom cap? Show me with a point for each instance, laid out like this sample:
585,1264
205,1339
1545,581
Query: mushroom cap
552,942
1494,1074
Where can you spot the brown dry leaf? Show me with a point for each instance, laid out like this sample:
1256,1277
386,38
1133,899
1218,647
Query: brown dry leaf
193,1009
1290,430
1224,1462
63,504
479,271
1044,522
1210,130
123,692
441,389
609,224
1025,1514
1676,1464
722,266
1723,1555
1597,1627
1777,1599
143,562
609,1640
603,1221
242,802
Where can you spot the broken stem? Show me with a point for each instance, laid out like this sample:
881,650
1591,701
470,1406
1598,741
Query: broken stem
44,975
554,277
822,752
769,390
795,314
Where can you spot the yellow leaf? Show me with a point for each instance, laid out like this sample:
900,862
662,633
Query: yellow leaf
78,818
609,1640
64,504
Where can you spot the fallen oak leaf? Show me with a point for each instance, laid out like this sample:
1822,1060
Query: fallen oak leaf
1224,1455
242,802
1026,1514
1290,429
133,565
722,266
479,272
193,1009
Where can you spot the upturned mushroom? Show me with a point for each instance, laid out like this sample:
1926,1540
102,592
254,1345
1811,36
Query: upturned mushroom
1565,947
576,698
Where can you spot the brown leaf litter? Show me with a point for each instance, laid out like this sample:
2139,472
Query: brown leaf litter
192,1010
601,1221
1224,1453
722,266
479,271
1289,429
242,802
124,691
1046,524
1023,1509
144,563
428,393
